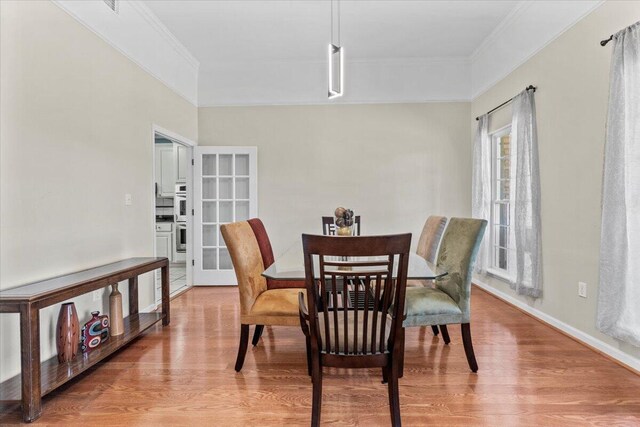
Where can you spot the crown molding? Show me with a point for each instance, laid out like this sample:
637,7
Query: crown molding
369,81
502,31
414,60
335,102
497,32
164,32
179,74
163,56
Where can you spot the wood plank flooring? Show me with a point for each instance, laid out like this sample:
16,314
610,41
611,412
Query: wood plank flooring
530,375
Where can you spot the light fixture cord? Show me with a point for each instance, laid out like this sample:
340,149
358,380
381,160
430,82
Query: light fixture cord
339,42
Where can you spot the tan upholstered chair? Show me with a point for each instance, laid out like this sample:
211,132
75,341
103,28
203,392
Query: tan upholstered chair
428,244
258,305
428,249
430,237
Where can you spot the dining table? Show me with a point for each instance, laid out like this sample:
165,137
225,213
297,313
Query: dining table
290,265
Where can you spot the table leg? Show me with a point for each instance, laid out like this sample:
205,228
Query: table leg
133,295
166,315
30,355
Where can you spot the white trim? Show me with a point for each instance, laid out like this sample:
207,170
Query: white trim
609,350
158,130
414,60
163,31
500,275
172,135
519,10
335,101
492,268
496,33
165,58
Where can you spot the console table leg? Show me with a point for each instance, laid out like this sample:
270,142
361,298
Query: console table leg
30,355
166,315
133,295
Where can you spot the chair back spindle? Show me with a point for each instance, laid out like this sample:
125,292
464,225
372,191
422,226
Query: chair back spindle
350,270
329,226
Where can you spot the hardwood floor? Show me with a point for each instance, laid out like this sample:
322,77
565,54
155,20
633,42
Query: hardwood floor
530,375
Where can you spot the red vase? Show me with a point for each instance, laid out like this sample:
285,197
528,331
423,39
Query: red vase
94,332
67,333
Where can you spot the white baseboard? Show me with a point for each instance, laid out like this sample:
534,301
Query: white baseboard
620,356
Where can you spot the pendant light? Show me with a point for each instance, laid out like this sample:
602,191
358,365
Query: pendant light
336,59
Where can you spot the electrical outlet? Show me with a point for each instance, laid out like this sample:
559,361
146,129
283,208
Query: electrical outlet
127,199
582,289
97,295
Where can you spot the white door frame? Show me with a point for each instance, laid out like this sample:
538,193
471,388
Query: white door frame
220,277
158,130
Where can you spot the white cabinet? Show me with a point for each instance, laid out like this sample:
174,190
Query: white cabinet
164,240
180,152
165,171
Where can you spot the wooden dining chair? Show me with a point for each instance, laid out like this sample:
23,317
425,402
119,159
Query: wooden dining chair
428,248
340,335
329,226
449,302
259,305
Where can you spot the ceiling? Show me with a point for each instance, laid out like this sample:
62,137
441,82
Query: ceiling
270,52
245,30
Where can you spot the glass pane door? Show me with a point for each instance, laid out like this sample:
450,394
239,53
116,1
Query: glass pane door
225,192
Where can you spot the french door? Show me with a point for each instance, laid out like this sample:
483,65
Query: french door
225,190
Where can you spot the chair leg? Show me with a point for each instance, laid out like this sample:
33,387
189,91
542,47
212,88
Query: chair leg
257,334
317,391
401,359
445,334
394,394
242,348
308,342
385,375
468,346
434,328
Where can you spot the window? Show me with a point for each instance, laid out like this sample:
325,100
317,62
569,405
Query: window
501,185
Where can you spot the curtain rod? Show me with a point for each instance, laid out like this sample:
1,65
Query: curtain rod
530,87
603,43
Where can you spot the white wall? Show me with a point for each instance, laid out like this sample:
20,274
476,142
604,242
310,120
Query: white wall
393,164
572,76
76,135
305,82
138,34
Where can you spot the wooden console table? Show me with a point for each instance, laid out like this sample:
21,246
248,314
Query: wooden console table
38,379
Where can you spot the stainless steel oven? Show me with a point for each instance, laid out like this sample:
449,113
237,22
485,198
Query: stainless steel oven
180,203
181,237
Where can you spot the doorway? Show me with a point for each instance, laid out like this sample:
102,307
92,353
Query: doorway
172,208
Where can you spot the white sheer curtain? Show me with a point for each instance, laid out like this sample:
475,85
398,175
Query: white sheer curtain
481,186
526,197
619,292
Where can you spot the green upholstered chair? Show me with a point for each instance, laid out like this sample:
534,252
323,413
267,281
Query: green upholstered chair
449,302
